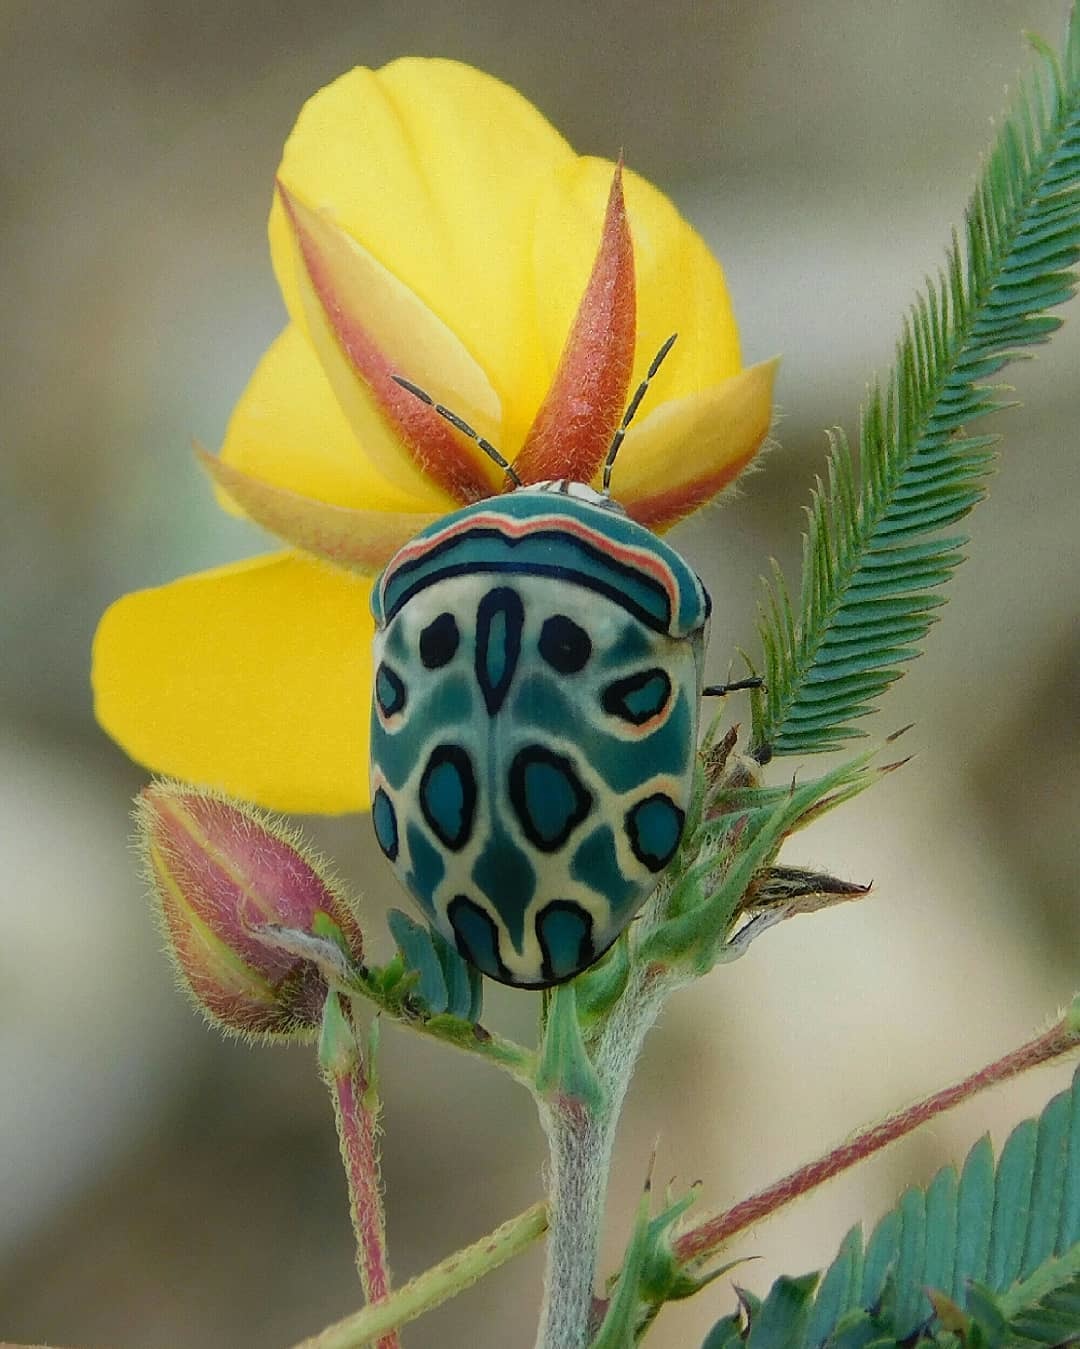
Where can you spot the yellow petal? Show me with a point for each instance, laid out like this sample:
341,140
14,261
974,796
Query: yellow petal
366,327
288,429
254,678
684,452
357,540
680,286
435,169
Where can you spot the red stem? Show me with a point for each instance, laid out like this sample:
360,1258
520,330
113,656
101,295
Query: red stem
357,1133
709,1236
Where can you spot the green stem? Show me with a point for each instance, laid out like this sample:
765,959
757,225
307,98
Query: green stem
472,1038
436,1285
581,1136
398,1003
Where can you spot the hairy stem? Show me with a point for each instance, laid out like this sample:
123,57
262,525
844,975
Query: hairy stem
398,1003
356,1114
580,1149
435,1286
581,1138
474,1039
707,1237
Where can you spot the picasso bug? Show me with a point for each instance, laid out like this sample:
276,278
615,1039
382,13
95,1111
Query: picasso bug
538,671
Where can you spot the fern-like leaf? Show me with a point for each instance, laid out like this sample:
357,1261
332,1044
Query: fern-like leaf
874,553
992,1254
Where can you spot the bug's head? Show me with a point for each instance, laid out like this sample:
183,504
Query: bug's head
578,491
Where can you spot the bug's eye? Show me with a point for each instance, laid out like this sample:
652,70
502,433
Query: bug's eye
439,641
564,644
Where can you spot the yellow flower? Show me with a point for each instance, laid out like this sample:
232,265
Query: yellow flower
428,223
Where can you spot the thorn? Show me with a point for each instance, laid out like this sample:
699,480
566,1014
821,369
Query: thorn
716,757
784,885
652,1165
892,767
897,734
744,1300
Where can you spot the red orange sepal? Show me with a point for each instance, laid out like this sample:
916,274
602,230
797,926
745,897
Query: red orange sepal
682,455
355,540
440,455
583,406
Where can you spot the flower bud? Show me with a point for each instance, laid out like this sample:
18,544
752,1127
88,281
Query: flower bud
251,921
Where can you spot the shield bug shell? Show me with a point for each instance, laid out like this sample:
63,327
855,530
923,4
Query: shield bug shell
538,669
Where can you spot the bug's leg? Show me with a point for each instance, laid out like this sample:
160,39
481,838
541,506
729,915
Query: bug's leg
763,753
722,690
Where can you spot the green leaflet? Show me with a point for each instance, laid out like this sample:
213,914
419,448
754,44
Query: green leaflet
445,983
999,1247
872,557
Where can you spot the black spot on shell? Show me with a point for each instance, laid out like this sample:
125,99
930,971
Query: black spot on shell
639,697
564,644
548,797
389,690
500,616
564,931
384,820
439,642
448,795
476,936
654,827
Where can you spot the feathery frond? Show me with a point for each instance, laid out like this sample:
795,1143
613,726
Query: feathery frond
874,554
989,1256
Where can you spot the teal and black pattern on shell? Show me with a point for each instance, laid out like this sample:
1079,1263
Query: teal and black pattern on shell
534,725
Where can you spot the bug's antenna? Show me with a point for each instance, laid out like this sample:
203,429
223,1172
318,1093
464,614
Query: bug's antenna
464,427
631,408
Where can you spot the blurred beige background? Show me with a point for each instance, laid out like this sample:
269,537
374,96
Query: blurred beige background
161,1188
